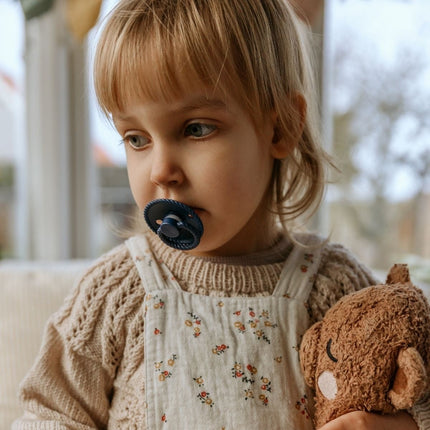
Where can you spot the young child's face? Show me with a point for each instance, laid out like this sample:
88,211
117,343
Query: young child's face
204,152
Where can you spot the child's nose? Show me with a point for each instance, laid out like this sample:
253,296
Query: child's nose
165,166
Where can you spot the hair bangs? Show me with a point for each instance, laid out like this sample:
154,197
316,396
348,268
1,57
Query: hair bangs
141,57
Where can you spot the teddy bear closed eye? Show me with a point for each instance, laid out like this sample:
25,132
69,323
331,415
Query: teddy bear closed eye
371,352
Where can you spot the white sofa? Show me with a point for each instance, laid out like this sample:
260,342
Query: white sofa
29,294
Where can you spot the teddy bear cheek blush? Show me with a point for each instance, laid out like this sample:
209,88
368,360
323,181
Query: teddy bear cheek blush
327,385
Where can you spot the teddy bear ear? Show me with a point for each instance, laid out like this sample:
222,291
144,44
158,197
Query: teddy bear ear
309,353
410,381
399,274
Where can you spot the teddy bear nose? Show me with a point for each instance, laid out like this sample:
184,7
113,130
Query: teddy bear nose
327,385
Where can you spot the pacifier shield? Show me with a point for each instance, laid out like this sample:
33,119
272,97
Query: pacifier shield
176,224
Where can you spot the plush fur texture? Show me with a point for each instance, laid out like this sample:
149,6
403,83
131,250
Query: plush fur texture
371,352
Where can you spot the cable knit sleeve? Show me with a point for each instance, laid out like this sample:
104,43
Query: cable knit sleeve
339,274
70,384
421,414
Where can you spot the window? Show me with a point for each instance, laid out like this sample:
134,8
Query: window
380,98
12,118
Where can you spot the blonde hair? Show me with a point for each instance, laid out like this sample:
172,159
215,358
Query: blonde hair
253,49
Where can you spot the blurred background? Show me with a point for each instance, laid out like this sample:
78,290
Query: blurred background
63,185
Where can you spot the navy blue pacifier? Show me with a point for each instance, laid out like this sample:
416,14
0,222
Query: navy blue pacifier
176,224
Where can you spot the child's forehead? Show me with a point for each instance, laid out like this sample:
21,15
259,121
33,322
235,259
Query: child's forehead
184,93
178,93
160,79
152,70
183,104
180,85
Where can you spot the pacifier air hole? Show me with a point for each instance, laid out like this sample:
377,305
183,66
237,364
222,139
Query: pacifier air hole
176,224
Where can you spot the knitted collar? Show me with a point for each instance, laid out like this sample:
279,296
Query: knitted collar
252,275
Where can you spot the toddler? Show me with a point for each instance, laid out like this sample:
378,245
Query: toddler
215,104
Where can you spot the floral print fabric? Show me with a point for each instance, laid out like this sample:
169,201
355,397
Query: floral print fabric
229,363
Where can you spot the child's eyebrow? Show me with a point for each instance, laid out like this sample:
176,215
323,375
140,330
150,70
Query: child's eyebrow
202,102
190,105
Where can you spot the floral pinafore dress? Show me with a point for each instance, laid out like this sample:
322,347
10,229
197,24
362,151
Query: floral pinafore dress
225,363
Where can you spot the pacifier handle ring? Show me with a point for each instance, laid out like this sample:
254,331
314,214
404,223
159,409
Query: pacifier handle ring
165,213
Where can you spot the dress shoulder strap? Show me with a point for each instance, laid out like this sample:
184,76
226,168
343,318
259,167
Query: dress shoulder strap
155,275
300,269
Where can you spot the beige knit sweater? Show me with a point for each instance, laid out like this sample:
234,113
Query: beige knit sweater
89,371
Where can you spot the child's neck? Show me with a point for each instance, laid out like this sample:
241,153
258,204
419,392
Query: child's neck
277,253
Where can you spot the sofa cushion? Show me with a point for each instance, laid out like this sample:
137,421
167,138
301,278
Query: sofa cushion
29,293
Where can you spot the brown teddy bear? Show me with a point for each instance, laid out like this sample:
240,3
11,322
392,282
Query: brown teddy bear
371,352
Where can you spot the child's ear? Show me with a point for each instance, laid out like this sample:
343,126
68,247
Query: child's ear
283,142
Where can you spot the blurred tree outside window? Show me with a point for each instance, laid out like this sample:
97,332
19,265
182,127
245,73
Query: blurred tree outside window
380,96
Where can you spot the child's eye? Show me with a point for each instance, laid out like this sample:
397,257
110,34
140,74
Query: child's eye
136,141
199,130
